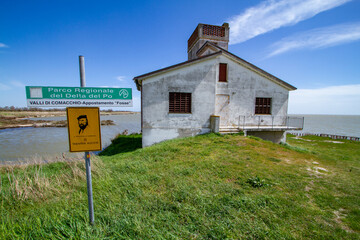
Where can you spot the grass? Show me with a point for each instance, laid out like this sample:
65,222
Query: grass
122,144
204,187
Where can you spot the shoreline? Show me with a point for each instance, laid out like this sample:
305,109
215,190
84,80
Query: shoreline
332,136
20,119
69,157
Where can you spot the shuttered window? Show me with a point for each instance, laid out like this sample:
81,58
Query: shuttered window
223,72
263,106
179,102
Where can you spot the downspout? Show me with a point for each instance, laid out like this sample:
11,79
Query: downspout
141,108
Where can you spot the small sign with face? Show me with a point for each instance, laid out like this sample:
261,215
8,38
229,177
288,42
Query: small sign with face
84,129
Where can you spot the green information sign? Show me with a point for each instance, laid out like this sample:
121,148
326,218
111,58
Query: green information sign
78,97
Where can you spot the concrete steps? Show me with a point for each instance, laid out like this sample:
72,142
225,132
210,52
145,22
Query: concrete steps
229,130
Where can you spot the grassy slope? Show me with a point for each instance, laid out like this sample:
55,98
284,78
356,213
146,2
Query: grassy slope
205,187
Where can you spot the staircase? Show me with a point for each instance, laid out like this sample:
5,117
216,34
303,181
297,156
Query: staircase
225,130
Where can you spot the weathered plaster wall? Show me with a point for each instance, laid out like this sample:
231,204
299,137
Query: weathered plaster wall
243,87
158,123
201,79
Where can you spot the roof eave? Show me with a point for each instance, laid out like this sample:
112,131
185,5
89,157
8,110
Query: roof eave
263,73
249,65
138,80
257,69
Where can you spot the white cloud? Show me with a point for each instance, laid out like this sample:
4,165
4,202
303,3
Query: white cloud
343,99
318,38
17,84
121,78
4,87
273,14
11,85
2,45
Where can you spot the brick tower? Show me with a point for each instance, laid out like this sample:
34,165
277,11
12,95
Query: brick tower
218,35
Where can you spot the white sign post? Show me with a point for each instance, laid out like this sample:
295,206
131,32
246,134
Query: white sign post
80,97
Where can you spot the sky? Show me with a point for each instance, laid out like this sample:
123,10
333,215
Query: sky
313,45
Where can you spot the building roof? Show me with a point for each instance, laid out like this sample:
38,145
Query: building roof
249,65
138,80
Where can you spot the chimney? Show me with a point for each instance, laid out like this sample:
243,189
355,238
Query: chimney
218,35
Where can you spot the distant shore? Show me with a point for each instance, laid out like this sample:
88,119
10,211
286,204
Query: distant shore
19,119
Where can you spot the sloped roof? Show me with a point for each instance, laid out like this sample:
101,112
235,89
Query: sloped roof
249,65
138,80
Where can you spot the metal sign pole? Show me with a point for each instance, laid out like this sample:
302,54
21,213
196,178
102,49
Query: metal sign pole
87,155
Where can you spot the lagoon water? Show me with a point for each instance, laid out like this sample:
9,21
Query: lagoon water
21,144
344,125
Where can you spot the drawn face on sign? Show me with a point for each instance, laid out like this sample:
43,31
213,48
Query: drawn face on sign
83,122
84,129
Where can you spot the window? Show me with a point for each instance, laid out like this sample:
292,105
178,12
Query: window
223,72
263,106
179,102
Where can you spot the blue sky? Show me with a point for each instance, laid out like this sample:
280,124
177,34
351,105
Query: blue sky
311,44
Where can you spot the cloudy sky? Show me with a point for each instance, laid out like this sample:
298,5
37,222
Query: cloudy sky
311,44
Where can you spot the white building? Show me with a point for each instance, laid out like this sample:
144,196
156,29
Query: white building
213,91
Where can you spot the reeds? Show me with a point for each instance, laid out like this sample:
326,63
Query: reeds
34,180
28,185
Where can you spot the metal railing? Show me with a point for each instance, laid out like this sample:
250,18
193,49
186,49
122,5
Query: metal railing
270,122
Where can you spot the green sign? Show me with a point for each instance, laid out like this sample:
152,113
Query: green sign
78,97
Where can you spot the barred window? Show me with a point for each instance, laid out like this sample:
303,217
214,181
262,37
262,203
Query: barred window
263,106
222,72
179,102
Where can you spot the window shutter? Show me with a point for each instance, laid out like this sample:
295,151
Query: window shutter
263,106
223,72
179,102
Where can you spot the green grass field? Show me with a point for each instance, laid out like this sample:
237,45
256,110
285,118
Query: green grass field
203,187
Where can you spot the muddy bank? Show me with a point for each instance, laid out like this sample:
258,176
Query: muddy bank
19,122
42,114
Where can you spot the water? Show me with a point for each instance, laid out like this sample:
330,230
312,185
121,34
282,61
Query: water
344,125
23,143
19,144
